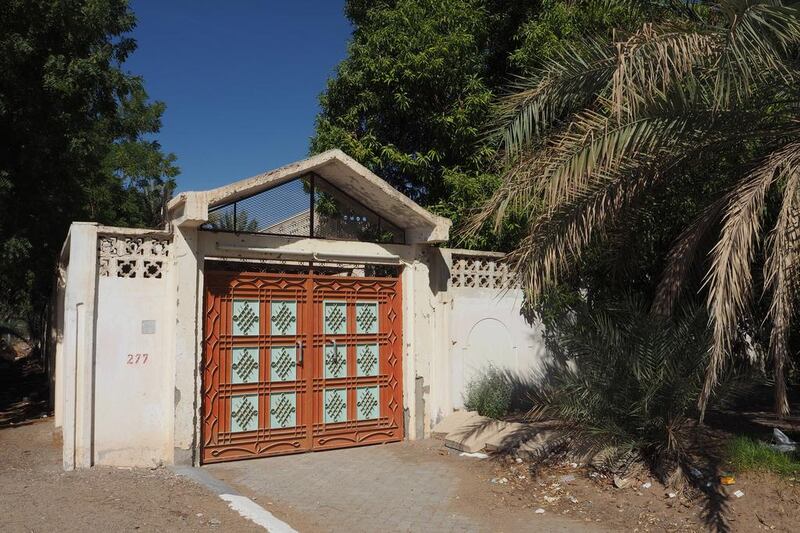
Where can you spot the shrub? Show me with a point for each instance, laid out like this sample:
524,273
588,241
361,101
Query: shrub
745,453
490,394
625,382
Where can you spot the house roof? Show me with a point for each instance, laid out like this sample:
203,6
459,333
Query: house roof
420,225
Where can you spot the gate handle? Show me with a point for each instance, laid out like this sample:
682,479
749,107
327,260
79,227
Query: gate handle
335,347
299,345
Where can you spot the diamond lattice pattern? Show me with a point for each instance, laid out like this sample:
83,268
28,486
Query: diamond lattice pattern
335,362
335,405
284,318
245,317
366,317
335,318
367,403
244,365
283,363
283,410
367,359
244,413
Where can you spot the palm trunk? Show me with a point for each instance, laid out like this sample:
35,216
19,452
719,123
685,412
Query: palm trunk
781,401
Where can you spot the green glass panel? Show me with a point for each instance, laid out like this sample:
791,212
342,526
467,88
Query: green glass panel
367,359
367,400
283,363
244,365
335,315
282,410
245,317
335,405
366,317
284,317
244,413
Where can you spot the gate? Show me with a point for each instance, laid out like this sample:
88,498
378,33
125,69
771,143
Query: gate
299,362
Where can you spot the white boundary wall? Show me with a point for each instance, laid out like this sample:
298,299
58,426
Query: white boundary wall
125,292
480,325
115,408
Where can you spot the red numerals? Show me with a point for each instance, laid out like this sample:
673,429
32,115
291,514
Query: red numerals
137,358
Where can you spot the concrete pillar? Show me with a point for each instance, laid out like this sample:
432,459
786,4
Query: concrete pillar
58,345
409,359
78,346
188,338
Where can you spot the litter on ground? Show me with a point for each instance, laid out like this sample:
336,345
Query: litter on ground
476,455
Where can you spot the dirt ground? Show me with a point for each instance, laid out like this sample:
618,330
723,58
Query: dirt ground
769,503
37,495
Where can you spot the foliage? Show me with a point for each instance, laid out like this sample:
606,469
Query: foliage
557,23
225,220
745,454
690,117
625,382
74,137
489,393
412,99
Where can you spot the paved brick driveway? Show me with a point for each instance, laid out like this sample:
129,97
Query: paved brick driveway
407,486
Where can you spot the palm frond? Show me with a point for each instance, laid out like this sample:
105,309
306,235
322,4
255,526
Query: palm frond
653,61
682,256
593,147
759,35
597,145
729,279
566,83
781,275
560,236
623,379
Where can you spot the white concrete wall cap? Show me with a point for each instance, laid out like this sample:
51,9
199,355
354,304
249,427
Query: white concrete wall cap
64,254
188,209
341,170
134,232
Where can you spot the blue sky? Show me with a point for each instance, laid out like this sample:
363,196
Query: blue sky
241,80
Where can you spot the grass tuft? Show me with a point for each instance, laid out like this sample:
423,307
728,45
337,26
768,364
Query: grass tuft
490,393
746,454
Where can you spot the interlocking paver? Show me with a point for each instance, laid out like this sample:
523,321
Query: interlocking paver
394,487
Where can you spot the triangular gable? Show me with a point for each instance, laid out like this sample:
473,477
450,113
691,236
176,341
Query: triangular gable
344,174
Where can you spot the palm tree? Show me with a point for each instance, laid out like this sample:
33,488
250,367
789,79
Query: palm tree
607,122
228,220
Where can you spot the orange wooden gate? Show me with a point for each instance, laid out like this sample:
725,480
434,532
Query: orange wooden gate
299,362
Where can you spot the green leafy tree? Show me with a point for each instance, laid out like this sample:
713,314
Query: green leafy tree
74,130
609,127
412,99
409,100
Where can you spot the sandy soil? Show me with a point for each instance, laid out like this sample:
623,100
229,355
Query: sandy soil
769,502
37,495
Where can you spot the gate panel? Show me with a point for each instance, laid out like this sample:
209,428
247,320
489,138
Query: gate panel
294,362
357,383
254,378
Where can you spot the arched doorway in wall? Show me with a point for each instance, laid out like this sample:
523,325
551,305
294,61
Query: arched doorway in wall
489,344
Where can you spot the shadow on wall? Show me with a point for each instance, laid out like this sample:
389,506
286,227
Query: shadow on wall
491,348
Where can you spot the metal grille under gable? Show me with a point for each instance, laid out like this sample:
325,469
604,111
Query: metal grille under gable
304,207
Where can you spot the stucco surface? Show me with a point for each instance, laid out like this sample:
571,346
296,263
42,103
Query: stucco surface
487,330
132,411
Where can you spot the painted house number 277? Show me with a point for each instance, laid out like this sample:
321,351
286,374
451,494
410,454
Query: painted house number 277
137,358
